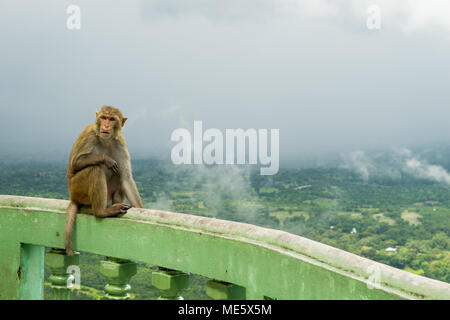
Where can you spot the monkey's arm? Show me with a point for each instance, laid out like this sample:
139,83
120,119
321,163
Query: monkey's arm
87,159
93,159
84,151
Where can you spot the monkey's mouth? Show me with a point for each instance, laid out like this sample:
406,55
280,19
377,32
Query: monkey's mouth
105,133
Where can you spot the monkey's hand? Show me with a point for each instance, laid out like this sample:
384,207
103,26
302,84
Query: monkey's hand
111,164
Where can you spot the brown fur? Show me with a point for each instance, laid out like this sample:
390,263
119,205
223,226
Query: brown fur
99,172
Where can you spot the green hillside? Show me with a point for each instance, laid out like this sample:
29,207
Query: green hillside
331,205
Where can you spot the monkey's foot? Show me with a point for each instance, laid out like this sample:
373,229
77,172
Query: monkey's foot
118,208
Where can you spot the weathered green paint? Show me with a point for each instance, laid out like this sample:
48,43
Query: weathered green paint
170,283
58,262
118,273
31,273
265,262
219,290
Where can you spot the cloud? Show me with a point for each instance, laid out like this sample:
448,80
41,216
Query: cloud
358,162
393,164
240,9
403,15
224,190
420,15
309,68
426,171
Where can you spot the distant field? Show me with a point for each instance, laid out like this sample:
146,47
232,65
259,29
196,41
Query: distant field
381,218
411,217
283,215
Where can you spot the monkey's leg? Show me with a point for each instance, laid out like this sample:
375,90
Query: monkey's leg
98,195
117,197
131,192
72,210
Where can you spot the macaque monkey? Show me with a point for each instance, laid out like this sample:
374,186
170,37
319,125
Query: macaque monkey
99,171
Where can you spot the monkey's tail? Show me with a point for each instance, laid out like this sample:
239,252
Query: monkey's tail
72,210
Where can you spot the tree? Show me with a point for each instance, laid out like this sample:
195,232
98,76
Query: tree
441,241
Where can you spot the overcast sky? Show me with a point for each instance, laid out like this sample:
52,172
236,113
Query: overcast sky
309,68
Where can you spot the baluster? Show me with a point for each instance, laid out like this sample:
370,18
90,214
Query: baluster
118,273
170,283
58,262
220,290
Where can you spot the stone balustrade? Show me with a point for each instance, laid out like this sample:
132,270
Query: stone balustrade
242,261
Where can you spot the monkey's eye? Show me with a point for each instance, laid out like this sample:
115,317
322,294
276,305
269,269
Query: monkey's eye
112,119
103,117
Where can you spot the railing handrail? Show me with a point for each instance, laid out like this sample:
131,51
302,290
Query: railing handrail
385,278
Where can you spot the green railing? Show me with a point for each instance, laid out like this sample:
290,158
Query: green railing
243,261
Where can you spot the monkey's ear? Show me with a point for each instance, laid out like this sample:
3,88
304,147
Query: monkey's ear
96,114
124,120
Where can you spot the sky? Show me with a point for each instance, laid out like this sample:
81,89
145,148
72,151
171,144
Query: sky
312,69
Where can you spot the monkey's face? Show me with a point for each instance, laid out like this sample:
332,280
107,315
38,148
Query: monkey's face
108,125
109,122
